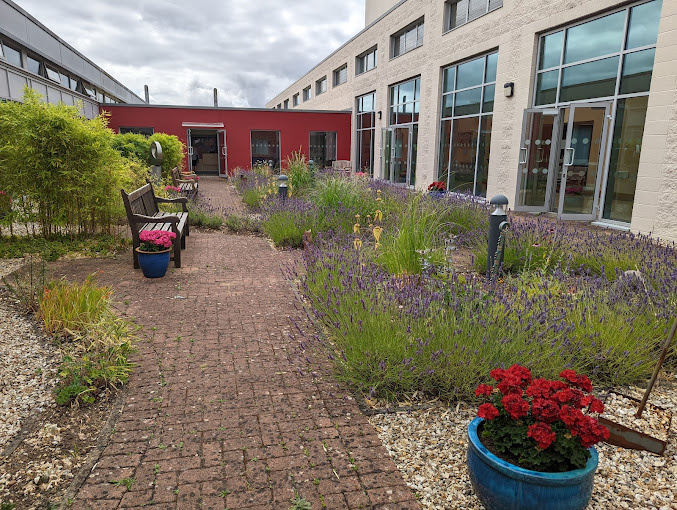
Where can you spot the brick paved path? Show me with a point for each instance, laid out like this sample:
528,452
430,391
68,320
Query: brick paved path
215,416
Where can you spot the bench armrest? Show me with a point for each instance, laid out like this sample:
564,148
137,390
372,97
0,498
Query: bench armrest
178,200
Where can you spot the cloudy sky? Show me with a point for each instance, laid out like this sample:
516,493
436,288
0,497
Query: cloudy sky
250,50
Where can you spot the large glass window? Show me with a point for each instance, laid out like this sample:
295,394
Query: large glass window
611,58
366,61
582,62
366,129
265,148
32,65
323,148
407,39
468,91
460,12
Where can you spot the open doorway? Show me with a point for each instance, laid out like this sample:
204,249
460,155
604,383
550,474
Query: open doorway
207,151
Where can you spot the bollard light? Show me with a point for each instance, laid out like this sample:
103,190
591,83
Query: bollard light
282,187
496,218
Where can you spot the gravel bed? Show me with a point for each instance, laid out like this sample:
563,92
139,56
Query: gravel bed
28,364
429,447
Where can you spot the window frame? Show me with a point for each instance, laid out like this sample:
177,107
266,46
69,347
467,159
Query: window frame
364,57
295,99
448,5
285,104
307,93
336,81
401,35
321,86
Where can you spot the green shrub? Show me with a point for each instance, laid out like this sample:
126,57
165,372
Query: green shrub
299,174
95,344
59,168
286,228
201,214
173,151
132,146
418,240
239,224
252,197
98,245
334,193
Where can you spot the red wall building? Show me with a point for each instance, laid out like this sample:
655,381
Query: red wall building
219,140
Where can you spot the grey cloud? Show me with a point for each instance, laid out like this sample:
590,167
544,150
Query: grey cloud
249,50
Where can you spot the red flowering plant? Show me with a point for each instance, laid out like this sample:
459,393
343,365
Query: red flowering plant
156,240
539,424
437,186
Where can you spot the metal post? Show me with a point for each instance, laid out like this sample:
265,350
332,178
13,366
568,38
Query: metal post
283,187
216,98
497,217
145,91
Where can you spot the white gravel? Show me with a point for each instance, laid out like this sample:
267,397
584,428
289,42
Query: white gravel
28,364
429,447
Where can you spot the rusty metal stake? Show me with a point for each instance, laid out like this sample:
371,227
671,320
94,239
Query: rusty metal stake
666,346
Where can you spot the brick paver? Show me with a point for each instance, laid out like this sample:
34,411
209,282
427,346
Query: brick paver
215,415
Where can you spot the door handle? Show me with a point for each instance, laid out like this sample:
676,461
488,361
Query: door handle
190,151
523,160
571,156
539,155
223,151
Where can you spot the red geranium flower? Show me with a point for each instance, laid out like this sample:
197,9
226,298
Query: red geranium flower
542,434
487,411
545,410
484,389
515,406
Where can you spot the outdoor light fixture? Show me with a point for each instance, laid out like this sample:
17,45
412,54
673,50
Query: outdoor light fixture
509,89
379,115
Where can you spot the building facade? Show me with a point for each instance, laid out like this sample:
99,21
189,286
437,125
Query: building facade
221,140
564,107
34,56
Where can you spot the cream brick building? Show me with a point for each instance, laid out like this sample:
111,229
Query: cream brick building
568,107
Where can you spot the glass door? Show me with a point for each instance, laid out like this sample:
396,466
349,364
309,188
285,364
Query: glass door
399,161
537,159
223,153
386,145
191,162
583,161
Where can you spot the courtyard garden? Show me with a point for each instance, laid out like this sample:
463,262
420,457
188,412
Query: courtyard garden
397,279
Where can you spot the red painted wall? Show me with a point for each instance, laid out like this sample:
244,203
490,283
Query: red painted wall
294,126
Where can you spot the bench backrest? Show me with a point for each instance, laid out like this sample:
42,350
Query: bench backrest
176,176
140,201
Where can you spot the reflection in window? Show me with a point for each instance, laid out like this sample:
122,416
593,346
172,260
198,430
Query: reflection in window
637,70
624,161
404,99
460,12
585,81
463,153
12,56
643,29
407,39
551,50
598,45
32,65
366,61
596,38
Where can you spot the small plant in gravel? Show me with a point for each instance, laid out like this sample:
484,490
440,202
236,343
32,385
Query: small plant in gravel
540,424
299,503
126,482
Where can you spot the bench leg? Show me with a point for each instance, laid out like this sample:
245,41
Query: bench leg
135,256
177,253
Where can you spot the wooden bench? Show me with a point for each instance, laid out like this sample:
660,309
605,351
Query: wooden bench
185,182
143,214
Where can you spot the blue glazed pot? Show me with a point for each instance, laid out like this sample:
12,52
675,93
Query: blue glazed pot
504,486
154,264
